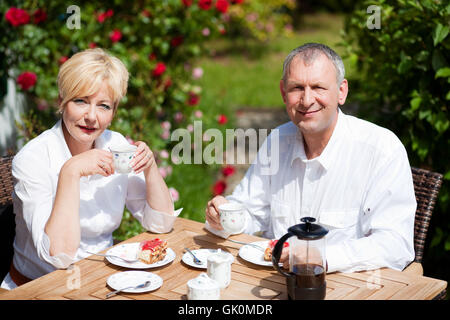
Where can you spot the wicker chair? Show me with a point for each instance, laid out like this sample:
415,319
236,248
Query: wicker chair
426,188
7,222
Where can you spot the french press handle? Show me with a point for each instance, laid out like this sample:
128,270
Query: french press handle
276,253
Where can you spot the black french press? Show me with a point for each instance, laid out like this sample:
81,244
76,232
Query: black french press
307,260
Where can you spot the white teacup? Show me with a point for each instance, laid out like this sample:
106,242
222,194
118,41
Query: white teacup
232,217
123,155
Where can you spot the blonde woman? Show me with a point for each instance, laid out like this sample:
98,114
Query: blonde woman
67,198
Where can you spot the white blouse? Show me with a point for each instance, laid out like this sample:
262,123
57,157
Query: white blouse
102,199
360,188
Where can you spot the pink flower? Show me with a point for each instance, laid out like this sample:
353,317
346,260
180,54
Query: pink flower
17,17
42,105
206,32
164,154
169,170
115,35
26,80
198,114
190,128
197,73
165,135
174,194
178,117
166,125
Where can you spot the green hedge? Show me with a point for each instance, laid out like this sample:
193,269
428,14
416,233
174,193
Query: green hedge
404,85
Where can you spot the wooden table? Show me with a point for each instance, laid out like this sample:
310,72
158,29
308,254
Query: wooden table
248,281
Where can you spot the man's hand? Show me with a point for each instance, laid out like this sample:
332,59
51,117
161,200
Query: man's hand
212,212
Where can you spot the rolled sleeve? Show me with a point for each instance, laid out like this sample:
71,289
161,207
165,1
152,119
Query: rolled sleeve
158,221
60,261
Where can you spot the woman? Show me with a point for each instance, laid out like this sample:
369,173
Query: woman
67,199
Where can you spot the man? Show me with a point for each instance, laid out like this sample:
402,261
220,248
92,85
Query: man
351,175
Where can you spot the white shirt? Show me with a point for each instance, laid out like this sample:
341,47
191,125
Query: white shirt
35,170
360,188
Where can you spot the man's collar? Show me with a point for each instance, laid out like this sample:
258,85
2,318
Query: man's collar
327,156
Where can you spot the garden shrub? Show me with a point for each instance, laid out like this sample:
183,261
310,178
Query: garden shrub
404,84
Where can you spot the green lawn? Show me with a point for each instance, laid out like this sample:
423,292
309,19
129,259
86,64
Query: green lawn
244,74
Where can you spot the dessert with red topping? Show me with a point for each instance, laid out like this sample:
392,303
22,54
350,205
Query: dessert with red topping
151,251
270,246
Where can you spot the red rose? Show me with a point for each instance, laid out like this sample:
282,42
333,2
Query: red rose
26,80
176,41
115,35
102,16
152,56
222,119
228,171
146,13
237,1
62,59
222,5
17,17
159,69
205,4
219,187
167,83
193,99
187,3
92,45
39,16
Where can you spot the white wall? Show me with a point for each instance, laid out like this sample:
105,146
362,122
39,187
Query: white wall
11,107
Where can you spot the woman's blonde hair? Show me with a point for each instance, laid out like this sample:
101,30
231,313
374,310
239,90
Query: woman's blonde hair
83,74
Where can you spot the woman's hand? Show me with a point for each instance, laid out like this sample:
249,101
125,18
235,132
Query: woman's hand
143,158
94,161
212,212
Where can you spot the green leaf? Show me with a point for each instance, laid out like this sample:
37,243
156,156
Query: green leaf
447,175
448,95
439,34
443,72
415,103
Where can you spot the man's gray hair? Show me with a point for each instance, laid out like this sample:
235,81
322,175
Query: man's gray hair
309,52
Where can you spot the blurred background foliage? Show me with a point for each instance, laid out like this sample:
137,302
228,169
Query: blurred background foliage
403,83
398,76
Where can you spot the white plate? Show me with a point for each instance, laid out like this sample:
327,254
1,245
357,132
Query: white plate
254,255
129,251
202,255
125,279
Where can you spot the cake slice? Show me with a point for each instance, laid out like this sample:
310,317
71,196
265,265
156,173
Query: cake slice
151,251
270,246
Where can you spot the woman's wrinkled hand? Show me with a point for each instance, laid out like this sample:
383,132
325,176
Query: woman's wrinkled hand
143,158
